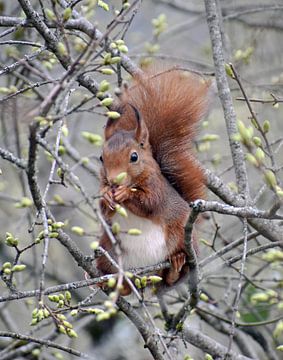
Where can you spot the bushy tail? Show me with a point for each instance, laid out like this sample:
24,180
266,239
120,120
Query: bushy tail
171,103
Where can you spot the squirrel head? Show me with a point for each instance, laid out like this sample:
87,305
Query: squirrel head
126,151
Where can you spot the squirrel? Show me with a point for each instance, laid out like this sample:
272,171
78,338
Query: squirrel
151,143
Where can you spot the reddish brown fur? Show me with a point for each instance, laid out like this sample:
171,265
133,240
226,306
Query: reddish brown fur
170,104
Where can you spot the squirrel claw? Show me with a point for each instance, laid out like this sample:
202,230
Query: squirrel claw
122,193
177,262
108,197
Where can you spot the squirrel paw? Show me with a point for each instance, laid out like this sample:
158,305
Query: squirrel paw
122,193
177,262
108,197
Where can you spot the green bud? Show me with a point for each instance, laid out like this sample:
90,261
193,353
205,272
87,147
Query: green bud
85,160
154,279
106,71
46,313
58,199
144,281
121,211
78,230
266,126
210,137
50,14
67,14
54,298
138,283
34,322
34,313
259,297
61,150
104,86
115,228
26,202
120,42
208,357
270,178
103,5
94,139
61,329
53,235
61,303
106,102
279,348
67,324
259,154
7,265
18,268
58,225
103,316
276,105
115,60
113,115
71,333
278,329
111,282
229,71
61,49
65,130
10,240
68,295
94,245
74,312
134,232
204,297
251,159
7,271
257,141
120,178
123,48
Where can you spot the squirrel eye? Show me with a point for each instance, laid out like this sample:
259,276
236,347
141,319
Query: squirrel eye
101,158
134,157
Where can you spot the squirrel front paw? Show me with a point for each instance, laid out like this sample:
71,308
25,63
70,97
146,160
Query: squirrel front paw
108,200
122,193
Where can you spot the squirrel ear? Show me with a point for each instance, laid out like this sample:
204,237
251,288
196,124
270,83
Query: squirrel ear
141,131
112,124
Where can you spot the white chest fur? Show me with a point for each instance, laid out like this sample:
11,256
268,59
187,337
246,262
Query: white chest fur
146,249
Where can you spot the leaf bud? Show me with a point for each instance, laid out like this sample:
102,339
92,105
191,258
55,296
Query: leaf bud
107,102
251,159
106,71
259,154
111,282
120,178
134,231
94,245
113,115
18,268
138,283
115,228
121,210
104,86
266,126
154,279
257,141
61,49
270,178
67,14
78,230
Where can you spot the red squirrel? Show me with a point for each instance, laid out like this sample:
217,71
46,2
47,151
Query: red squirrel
152,143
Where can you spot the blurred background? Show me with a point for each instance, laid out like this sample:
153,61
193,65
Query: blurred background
174,32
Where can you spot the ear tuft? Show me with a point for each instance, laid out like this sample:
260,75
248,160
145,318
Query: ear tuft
110,127
141,131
